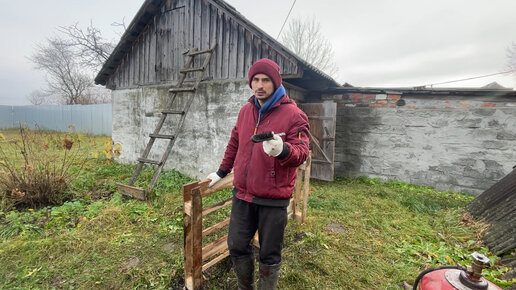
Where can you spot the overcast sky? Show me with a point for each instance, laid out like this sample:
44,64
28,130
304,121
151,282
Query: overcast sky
376,42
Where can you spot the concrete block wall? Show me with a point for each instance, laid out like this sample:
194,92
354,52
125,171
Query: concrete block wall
202,141
464,144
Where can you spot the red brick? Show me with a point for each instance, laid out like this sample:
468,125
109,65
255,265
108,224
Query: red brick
356,96
411,107
489,105
446,102
381,102
368,97
377,105
394,97
392,106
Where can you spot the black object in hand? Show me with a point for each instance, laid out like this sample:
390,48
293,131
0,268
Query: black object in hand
265,136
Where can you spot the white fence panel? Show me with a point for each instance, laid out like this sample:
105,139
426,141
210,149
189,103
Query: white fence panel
94,119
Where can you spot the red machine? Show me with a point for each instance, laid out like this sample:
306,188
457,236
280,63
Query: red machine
456,277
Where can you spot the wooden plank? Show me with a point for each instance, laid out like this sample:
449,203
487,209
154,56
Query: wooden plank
205,25
215,227
187,236
233,49
240,65
224,183
226,51
152,53
131,191
215,260
220,45
306,187
297,192
197,28
248,60
212,39
216,207
215,247
196,237
257,48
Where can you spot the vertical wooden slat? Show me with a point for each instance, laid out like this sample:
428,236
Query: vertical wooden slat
213,39
306,187
176,26
167,53
197,28
182,38
233,49
220,45
257,48
187,238
296,210
151,58
241,52
197,237
205,28
226,38
248,62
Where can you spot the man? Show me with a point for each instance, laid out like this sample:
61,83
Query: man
264,174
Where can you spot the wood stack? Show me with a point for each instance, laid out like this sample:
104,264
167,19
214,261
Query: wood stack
497,207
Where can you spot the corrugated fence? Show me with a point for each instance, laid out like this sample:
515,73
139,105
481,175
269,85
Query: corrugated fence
94,119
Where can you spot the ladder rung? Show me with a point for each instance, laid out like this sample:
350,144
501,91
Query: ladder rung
162,136
173,112
185,89
199,52
187,70
149,161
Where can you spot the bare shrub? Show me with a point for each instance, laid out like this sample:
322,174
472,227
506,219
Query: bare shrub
37,167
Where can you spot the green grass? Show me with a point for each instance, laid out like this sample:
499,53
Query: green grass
359,234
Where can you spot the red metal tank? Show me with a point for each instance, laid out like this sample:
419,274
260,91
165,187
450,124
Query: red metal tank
455,277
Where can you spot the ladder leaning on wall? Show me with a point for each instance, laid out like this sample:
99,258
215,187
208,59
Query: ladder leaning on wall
140,193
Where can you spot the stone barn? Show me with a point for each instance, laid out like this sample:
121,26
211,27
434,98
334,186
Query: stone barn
147,61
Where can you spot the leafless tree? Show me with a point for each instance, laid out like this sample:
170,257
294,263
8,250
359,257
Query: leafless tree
304,38
64,76
88,45
70,59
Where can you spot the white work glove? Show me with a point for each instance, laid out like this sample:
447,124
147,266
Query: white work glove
214,178
273,147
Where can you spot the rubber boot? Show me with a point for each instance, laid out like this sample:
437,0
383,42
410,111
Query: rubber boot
244,269
269,275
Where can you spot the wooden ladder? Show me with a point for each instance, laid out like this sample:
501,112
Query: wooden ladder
140,193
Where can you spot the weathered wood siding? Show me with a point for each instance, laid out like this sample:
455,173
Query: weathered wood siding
497,207
157,54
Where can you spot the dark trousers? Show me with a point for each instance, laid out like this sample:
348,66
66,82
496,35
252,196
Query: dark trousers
270,222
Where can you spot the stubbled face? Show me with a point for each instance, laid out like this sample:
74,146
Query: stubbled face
262,87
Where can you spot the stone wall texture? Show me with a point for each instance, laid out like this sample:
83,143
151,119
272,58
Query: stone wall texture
202,141
457,143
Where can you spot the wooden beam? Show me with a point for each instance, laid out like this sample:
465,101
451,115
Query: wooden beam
215,261
215,247
216,207
215,227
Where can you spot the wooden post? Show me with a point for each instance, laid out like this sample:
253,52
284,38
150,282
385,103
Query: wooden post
197,238
192,226
306,187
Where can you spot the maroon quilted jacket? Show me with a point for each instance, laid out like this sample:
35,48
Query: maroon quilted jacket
260,178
